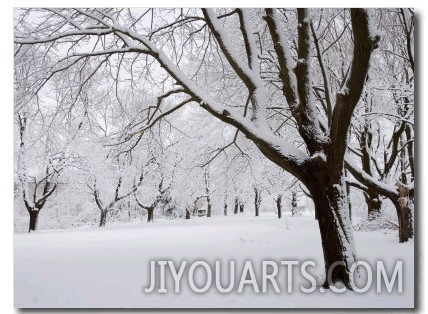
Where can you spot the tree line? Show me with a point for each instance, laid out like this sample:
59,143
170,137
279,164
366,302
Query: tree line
324,95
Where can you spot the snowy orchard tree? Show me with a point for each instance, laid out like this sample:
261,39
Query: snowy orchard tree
385,153
385,127
44,142
37,175
110,181
148,196
157,183
265,57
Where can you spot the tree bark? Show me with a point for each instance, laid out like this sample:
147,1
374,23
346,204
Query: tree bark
150,214
225,209
103,218
404,214
34,219
409,138
405,231
236,206
257,201
129,210
241,207
293,204
348,193
279,206
334,223
209,212
207,190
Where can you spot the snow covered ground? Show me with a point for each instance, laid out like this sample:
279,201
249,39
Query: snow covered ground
109,267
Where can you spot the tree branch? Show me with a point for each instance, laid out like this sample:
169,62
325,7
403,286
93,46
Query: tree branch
347,98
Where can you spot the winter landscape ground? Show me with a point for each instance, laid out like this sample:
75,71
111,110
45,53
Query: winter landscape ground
109,267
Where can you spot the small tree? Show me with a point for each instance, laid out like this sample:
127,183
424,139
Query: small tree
162,199
36,189
107,207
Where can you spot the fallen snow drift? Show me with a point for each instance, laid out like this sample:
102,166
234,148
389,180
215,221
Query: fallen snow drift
109,267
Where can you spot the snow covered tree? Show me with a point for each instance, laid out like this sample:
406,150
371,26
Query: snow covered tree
108,189
272,64
43,144
384,129
151,208
156,191
38,184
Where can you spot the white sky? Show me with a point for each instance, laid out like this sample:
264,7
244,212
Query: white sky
6,109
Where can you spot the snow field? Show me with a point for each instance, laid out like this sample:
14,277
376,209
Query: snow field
110,267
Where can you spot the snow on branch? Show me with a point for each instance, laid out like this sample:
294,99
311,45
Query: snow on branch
210,104
287,76
386,189
151,123
108,52
32,41
247,73
272,146
250,43
242,70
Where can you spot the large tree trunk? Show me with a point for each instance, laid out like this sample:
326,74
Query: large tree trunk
279,206
103,218
225,209
337,240
34,219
